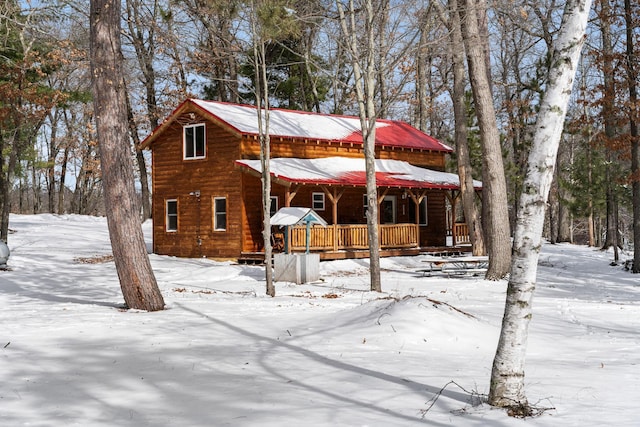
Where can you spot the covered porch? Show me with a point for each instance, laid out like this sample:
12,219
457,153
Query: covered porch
337,238
407,224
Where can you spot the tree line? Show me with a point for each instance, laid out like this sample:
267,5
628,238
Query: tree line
202,48
493,80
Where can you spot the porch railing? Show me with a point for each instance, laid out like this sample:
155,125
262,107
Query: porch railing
461,233
354,236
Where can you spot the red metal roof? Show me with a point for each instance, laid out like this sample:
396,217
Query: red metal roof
302,125
351,172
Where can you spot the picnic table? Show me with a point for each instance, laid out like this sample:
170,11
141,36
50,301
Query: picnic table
464,265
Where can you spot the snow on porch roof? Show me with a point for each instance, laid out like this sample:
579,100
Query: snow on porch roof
351,172
314,126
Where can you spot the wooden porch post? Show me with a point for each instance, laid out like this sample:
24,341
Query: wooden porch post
288,197
453,200
417,199
380,199
334,198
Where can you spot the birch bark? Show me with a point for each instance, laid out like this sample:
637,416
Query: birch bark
507,377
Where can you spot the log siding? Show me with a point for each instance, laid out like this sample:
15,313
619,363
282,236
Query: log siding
195,184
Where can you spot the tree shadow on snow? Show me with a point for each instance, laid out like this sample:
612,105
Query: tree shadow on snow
280,372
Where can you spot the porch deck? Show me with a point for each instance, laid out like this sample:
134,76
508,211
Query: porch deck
352,242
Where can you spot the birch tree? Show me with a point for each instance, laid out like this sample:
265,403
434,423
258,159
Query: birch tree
507,376
137,280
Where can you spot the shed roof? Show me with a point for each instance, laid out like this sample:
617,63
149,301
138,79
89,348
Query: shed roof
351,172
297,215
306,126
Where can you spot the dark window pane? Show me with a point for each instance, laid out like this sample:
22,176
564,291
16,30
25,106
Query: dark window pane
188,143
220,214
199,142
172,215
422,212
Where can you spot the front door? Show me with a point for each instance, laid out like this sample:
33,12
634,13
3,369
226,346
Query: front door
388,210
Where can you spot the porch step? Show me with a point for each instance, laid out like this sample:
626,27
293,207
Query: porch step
251,258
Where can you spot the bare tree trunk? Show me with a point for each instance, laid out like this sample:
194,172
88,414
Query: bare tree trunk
365,92
608,111
145,52
4,195
63,177
142,164
421,75
632,78
564,233
497,233
262,110
552,212
5,185
51,164
507,376
471,211
137,281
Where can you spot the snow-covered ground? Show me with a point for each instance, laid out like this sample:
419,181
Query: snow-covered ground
324,354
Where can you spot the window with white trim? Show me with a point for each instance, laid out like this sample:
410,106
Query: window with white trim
274,205
171,215
219,213
422,212
317,201
194,141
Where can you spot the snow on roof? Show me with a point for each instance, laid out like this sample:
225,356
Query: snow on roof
296,215
313,126
347,171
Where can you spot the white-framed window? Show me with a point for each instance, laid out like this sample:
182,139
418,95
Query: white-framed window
171,215
365,205
317,201
274,205
422,212
388,210
194,141
219,213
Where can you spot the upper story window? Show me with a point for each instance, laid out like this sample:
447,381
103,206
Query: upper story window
194,141
317,201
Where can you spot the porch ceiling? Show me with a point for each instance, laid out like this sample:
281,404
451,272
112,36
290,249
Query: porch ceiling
343,171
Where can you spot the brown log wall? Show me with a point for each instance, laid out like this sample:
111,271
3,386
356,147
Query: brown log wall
322,149
214,176
217,176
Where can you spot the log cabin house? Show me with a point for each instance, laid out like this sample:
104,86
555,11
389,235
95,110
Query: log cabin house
207,192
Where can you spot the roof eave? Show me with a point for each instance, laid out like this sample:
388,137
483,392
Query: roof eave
179,110
165,124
